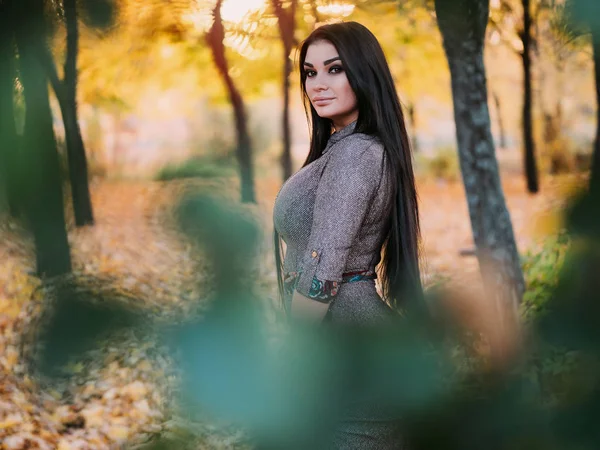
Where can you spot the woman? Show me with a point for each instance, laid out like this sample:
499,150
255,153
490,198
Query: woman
354,196
355,193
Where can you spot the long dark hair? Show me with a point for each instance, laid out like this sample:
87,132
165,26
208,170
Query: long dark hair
380,114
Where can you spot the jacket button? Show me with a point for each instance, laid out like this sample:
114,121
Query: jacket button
314,254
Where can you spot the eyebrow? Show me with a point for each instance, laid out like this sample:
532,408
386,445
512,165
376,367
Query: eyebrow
326,62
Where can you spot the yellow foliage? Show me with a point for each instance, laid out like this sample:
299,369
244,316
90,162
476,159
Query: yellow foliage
63,444
10,307
547,224
10,421
118,433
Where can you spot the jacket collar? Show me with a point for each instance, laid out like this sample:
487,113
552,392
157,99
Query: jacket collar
340,134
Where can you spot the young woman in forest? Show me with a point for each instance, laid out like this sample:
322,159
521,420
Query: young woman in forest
354,196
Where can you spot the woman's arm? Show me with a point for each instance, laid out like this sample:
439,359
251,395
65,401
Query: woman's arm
306,309
343,199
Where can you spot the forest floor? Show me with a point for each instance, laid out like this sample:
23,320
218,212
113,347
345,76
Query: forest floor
123,390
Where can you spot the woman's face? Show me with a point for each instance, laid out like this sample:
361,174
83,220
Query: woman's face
327,86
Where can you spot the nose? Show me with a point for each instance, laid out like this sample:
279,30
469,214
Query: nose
318,85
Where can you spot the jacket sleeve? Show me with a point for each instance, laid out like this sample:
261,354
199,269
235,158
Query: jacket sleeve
344,195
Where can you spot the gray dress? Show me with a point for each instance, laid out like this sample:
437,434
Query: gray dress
332,215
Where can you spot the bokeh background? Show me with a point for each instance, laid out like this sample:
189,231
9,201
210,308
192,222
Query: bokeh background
142,144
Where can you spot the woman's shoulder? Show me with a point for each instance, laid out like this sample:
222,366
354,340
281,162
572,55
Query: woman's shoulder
358,146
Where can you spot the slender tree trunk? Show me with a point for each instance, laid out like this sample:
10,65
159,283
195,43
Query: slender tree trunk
8,132
531,171
462,24
78,168
286,156
502,144
595,173
244,149
286,19
43,195
412,117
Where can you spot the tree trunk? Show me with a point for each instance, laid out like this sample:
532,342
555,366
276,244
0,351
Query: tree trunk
78,169
215,38
286,19
462,24
595,172
412,117
8,132
286,156
43,197
501,129
531,171
78,173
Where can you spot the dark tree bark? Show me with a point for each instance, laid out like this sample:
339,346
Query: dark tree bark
286,19
531,170
214,39
8,132
412,117
78,167
43,197
595,172
66,93
501,129
462,24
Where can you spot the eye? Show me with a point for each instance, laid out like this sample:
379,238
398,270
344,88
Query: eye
336,69
310,73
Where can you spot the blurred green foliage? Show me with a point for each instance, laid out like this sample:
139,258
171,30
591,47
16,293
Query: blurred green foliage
542,269
442,165
197,167
79,313
290,392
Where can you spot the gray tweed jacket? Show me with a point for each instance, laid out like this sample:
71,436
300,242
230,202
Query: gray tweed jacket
332,214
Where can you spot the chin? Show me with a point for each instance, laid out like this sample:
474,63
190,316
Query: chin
326,114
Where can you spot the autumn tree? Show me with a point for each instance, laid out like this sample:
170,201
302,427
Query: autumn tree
8,133
407,31
417,58
520,39
595,175
195,35
214,38
42,187
576,19
286,21
66,93
561,74
463,24
531,170
117,61
587,12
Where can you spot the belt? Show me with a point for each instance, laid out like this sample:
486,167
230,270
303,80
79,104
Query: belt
290,279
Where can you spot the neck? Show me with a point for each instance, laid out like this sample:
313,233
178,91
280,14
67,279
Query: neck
341,125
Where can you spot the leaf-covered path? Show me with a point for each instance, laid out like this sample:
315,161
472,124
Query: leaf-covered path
121,390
